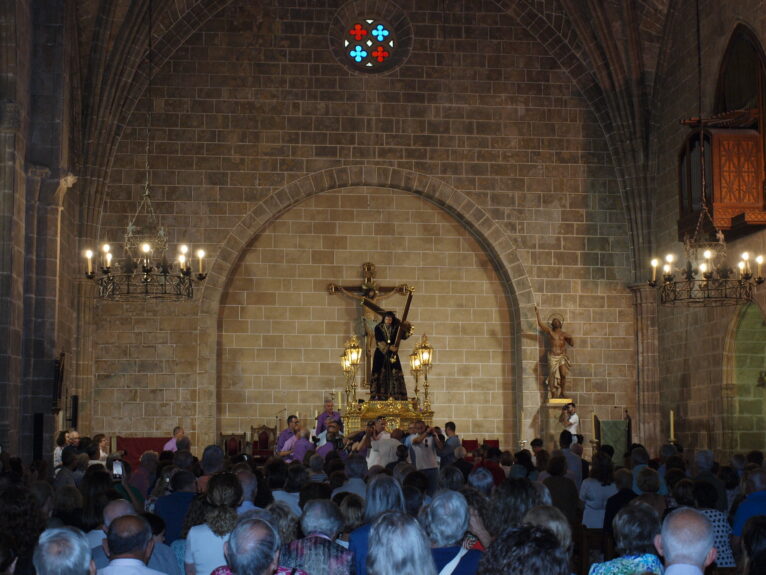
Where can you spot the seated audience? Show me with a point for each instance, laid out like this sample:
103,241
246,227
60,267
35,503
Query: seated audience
509,503
253,549
526,550
623,480
204,543
174,506
352,509
464,466
563,490
451,477
356,469
398,546
276,475
284,521
686,542
60,551
705,496
551,518
634,528
249,485
445,520
481,480
318,553
22,521
754,503
129,545
704,463
649,484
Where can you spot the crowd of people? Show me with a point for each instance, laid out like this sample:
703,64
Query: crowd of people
380,503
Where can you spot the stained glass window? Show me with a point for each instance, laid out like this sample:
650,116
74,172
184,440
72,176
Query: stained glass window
369,43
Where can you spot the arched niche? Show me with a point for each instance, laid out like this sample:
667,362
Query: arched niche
745,377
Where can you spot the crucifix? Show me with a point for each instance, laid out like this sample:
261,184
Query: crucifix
368,295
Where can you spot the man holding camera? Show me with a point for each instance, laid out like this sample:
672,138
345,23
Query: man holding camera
426,444
570,420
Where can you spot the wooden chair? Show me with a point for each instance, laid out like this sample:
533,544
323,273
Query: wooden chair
495,443
263,438
233,443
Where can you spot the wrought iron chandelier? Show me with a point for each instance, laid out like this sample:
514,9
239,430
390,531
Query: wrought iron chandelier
143,270
706,278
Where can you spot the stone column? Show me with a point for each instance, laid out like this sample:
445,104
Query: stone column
649,416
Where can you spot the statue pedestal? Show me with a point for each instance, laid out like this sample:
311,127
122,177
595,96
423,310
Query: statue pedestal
398,414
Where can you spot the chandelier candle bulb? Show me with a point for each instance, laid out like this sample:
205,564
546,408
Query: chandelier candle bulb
741,266
108,260
89,257
106,249
746,259
201,256
759,262
655,263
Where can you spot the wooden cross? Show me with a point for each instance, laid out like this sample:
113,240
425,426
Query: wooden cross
368,294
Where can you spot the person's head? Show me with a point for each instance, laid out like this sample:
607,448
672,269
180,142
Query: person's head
673,476
63,551
329,405
388,317
648,480
460,452
601,468
293,423
312,491
525,550
756,481
729,476
557,466
401,546
297,477
224,494
183,459
623,479
445,519
556,323
551,518
379,424
150,460
129,536
536,444
634,529
183,480
449,428
183,444
212,459
571,407
639,456
284,521
703,460
61,437
333,428
667,450
73,437
451,477
542,459
102,441
316,463
115,509
249,484
510,502
276,473
383,494
178,432
755,456
352,509
686,537
754,545
323,517
705,495
481,480
683,493
253,547
356,466
565,439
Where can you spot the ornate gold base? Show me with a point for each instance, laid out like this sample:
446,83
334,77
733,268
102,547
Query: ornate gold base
398,414
558,401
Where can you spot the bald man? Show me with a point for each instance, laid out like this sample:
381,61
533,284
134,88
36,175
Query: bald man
161,558
686,542
129,545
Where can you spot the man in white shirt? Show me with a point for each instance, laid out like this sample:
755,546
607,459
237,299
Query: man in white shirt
686,542
129,544
570,420
425,445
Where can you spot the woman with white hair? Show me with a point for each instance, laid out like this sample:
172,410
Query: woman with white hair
399,546
445,520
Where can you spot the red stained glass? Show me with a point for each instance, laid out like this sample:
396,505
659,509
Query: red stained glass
380,54
358,32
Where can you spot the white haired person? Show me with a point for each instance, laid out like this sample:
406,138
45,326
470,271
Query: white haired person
686,542
398,545
63,551
445,520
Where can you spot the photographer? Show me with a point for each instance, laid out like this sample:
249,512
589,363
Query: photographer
425,445
570,420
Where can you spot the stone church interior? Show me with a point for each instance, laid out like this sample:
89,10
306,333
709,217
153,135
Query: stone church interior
208,206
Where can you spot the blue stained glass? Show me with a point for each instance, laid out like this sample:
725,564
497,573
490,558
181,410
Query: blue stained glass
358,53
380,32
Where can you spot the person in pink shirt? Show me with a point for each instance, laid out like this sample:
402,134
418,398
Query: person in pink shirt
178,433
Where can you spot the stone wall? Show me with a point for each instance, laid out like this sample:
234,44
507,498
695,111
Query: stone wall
697,378
254,103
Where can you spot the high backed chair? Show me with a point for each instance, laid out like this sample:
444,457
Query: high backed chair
233,443
263,440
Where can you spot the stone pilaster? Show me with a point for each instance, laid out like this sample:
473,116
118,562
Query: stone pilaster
648,418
